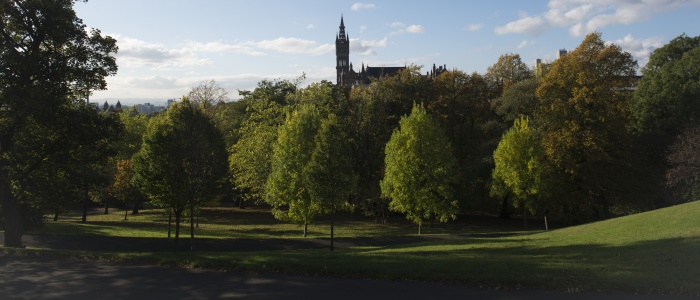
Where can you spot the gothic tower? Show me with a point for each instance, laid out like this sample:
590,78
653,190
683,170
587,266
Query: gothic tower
342,54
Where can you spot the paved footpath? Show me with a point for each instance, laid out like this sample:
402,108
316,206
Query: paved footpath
33,277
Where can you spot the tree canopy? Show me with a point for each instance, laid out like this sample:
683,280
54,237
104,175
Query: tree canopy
583,112
420,172
182,161
48,60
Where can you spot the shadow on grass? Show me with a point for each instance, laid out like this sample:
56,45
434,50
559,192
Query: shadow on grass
663,266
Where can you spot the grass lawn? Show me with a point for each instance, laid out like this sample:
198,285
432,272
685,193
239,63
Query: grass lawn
653,252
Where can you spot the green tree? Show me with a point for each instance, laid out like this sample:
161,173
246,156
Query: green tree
583,114
329,174
285,190
517,101
461,104
518,171
666,99
369,131
251,154
182,161
420,170
47,57
508,70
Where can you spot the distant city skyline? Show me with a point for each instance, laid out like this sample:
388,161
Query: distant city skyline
168,47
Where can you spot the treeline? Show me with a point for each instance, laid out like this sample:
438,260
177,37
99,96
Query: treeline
578,139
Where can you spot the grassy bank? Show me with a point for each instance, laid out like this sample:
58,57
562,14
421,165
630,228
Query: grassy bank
653,252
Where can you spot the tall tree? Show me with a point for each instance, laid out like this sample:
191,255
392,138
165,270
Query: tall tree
420,170
46,57
329,174
285,190
182,161
583,112
251,154
519,167
508,70
667,97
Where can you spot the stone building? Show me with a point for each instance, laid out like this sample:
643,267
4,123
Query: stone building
346,74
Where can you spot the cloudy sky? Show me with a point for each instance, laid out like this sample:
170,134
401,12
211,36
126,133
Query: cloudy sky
169,46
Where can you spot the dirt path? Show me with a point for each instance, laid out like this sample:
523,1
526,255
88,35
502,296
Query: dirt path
125,244
37,277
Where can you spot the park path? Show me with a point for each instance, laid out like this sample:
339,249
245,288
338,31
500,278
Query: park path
128,244
40,277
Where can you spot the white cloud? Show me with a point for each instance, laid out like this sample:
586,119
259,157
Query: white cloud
295,46
219,47
310,26
525,43
361,6
397,25
402,28
530,25
582,17
138,53
415,29
639,48
474,27
366,48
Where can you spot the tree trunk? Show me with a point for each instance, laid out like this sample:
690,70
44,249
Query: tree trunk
55,216
306,227
135,211
14,227
419,225
178,214
241,203
106,207
332,219
85,206
126,212
170,220
525,216
505,213
192,226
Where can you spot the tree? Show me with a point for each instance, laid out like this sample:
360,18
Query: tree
329,175
683,175
182,161
508,70
667,97
47,57
208,94
583,114
517,101
123,187
285,190
461,105
518,172
420,170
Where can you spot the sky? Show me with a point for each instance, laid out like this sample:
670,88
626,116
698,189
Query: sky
166,47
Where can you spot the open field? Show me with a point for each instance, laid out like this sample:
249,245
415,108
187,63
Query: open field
653,252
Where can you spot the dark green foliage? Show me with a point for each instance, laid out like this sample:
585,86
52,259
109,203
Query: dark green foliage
667,97
182,161
683,175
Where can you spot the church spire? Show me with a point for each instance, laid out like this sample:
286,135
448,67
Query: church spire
342,34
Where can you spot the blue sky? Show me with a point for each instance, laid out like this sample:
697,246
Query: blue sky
169,46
